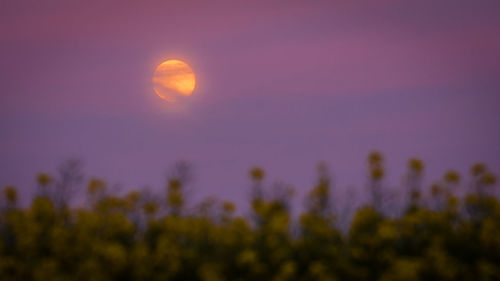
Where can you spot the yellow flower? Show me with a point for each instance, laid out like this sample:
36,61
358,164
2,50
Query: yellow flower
257,174
416,165
10,194
43,179
377,173
375,158
452,177
228,206
96,186
150,208
488,179
478,169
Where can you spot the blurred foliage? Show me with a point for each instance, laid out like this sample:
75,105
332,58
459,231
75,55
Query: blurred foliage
141,236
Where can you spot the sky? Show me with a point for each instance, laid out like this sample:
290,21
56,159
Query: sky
280,84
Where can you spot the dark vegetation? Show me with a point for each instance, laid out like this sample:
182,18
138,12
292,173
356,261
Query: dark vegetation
449,231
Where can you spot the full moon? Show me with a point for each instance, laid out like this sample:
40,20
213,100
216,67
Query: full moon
173,79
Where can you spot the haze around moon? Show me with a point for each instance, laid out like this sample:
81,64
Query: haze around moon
173,79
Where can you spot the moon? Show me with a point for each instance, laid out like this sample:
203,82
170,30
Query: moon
173,79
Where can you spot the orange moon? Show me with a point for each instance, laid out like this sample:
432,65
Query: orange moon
173,79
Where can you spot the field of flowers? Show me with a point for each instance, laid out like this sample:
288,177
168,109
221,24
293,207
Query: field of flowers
439,235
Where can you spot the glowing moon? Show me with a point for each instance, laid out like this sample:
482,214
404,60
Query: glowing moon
173,79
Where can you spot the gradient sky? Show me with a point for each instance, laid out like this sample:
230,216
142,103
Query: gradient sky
281,84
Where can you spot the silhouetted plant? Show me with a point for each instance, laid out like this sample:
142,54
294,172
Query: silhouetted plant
414,181
376,174
137,236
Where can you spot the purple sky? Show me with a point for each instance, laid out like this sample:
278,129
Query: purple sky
282,84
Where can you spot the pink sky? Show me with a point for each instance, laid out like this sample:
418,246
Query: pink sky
284,84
